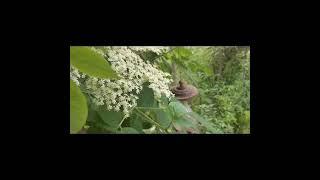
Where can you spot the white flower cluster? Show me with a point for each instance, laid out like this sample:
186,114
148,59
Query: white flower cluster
75,75
133,72
156,49
131,67
112,94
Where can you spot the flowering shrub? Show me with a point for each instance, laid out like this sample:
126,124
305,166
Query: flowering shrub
133,72
126,89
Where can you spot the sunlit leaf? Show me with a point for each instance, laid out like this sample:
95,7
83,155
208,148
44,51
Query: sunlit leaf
90,62
78,108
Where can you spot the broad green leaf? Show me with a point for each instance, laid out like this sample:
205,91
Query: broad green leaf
128,130
199,121
150,116
146,97
146,122
97,124
100,125
93,116
177,108
90,62
136,122
112,118
78,108
192,117
183,125
178,111
162,117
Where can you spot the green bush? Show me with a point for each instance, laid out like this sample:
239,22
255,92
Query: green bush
220,73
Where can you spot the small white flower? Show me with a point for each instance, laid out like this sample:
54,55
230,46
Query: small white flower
109,107
117,108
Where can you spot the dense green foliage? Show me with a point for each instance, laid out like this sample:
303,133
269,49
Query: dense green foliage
221,75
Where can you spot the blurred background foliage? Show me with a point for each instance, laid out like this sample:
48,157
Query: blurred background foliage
222,76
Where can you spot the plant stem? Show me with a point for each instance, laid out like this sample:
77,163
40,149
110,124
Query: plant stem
149,119
121,122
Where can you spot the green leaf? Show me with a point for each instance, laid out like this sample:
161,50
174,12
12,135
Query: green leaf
97,124
136,122
93,115
146,97
90,62
184,120
146,122
78,108
177,109
163,117
183,126
112,118
183,123
128,130
200,122
180,122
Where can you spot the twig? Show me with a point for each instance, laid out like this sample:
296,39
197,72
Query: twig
149,119
119,126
